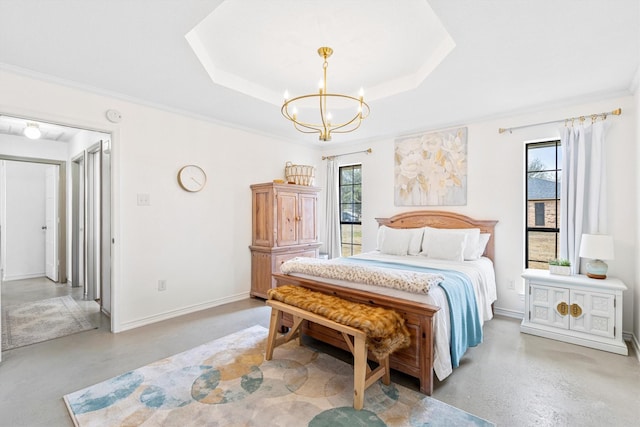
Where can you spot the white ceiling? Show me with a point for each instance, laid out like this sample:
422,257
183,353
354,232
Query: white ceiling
510,55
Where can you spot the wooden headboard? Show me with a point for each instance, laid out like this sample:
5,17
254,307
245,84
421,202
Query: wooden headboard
442,219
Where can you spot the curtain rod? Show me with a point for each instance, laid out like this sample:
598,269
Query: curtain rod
368,150
615,112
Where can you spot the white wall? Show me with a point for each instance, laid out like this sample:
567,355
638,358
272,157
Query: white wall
25,216
636,295
197,242
496,189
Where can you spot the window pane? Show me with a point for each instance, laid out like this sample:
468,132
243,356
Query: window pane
357,234
543,214
542,158
542,247
345,232
539,214
357,193
347,213
346,194
346,176
357,175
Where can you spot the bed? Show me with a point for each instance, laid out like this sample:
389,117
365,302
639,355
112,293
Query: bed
426,316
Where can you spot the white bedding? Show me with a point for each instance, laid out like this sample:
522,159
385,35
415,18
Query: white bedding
482,277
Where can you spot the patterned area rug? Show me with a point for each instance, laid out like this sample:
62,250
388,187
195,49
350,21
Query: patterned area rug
228,382
33,322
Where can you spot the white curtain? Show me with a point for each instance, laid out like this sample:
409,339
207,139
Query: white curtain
583,201
332,226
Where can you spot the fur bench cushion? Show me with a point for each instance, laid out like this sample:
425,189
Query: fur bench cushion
385,329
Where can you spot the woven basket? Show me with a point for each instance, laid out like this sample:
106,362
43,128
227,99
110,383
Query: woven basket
299,174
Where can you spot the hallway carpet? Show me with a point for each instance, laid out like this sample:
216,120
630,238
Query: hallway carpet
38,321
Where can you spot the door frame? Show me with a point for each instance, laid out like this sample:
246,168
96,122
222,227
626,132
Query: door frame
114,131
62,208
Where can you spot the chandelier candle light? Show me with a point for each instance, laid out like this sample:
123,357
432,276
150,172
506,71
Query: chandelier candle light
325,126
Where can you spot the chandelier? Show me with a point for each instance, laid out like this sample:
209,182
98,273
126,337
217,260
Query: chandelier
327,124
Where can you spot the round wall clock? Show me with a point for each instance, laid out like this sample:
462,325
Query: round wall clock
192,178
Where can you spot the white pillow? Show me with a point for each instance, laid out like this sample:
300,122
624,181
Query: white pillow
473,239
395,241
415,244
482,244
444,244
399,241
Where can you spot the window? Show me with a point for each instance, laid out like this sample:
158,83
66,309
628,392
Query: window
351,209
544,176
539,213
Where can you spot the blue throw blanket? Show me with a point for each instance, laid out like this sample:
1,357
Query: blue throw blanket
466,330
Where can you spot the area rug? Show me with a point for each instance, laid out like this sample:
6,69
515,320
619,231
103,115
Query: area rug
227,382
33,322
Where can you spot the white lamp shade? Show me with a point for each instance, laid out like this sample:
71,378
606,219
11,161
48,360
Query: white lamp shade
596,246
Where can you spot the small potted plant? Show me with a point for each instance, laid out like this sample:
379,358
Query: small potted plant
560,266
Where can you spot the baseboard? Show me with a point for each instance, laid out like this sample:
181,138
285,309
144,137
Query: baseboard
508,313
633,340
179,312
9,278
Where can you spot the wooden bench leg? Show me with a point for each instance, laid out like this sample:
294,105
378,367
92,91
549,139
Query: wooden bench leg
386,378
273,333
359,372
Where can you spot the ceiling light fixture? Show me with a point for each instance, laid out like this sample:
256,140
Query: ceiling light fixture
327,124
32,131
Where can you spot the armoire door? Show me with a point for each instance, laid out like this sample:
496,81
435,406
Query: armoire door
307,224
287,205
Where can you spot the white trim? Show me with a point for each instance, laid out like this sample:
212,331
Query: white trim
116,95
24,276
180,312
514,314
633,341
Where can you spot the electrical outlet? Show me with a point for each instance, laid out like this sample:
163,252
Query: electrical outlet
511,285
144,199
162,285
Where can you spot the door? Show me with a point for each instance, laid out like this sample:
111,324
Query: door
308,232
287,206
77,221
593,313
545,302
51,222
92,229
105,221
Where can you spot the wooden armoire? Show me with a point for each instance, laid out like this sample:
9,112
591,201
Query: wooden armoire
284,226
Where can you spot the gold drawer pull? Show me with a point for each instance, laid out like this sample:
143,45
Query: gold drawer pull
576,310
563,308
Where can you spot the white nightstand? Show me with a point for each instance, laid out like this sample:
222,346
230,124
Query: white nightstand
575,309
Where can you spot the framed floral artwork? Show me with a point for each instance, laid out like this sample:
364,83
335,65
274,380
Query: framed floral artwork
431,169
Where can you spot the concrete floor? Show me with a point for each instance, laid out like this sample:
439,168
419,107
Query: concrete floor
512,379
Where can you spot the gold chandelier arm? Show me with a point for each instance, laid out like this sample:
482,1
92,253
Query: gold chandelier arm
325,127
313,130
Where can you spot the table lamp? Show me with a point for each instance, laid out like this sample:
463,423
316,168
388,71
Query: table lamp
596,247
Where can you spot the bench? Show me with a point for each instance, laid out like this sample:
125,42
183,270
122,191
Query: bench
363,375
